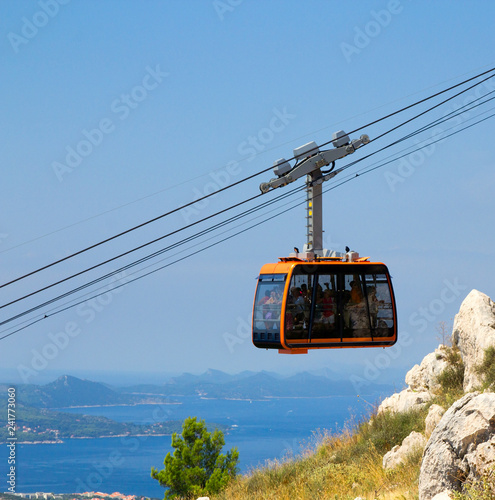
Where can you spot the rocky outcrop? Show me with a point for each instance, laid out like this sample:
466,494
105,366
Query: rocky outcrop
398,454
404,401
473,332
481,463
424,377
445,495
461,446
422,382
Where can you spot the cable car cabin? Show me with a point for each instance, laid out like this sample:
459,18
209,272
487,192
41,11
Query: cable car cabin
323,304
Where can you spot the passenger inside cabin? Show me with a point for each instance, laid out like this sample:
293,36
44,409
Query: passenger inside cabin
328,313
356,293
373,304
357,312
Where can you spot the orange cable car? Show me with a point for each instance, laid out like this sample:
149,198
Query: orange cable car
312,300
323,304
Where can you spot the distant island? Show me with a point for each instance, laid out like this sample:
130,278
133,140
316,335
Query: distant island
39,419
47,426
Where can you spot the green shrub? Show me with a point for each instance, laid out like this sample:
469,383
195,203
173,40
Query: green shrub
480,489
385,430
486,370
380,434
451,380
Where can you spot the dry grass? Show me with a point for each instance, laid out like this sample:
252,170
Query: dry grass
349,465
343,466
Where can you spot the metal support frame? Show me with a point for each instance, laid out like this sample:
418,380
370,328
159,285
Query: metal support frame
309,162
314,209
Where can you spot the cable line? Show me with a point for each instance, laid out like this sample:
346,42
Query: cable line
79,252
144,275
424,128
256,174
431,109
417,103
438,121
55,231
129,251
231,236
128,266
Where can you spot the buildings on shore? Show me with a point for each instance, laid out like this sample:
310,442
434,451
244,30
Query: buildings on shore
90,495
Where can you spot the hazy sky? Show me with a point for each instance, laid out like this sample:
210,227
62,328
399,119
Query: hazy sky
114,112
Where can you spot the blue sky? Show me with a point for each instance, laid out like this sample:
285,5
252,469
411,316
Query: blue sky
116,112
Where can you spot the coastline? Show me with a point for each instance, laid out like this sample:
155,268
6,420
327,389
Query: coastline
114,405
61,441
271,398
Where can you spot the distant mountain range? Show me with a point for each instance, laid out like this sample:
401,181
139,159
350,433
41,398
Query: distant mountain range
68,391
253,385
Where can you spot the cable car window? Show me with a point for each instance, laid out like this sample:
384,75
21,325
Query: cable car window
356,310
268,304
298,307
368,309
380,304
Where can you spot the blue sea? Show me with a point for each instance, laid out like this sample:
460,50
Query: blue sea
261,430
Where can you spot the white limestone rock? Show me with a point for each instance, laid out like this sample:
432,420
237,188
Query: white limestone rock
473,332
482,460
424,377
456,445
404,401
435,414
445,495
398,454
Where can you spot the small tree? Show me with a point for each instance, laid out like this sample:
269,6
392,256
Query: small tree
443,334
196,467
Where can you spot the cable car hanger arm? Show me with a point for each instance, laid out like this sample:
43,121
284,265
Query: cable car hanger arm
310,159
